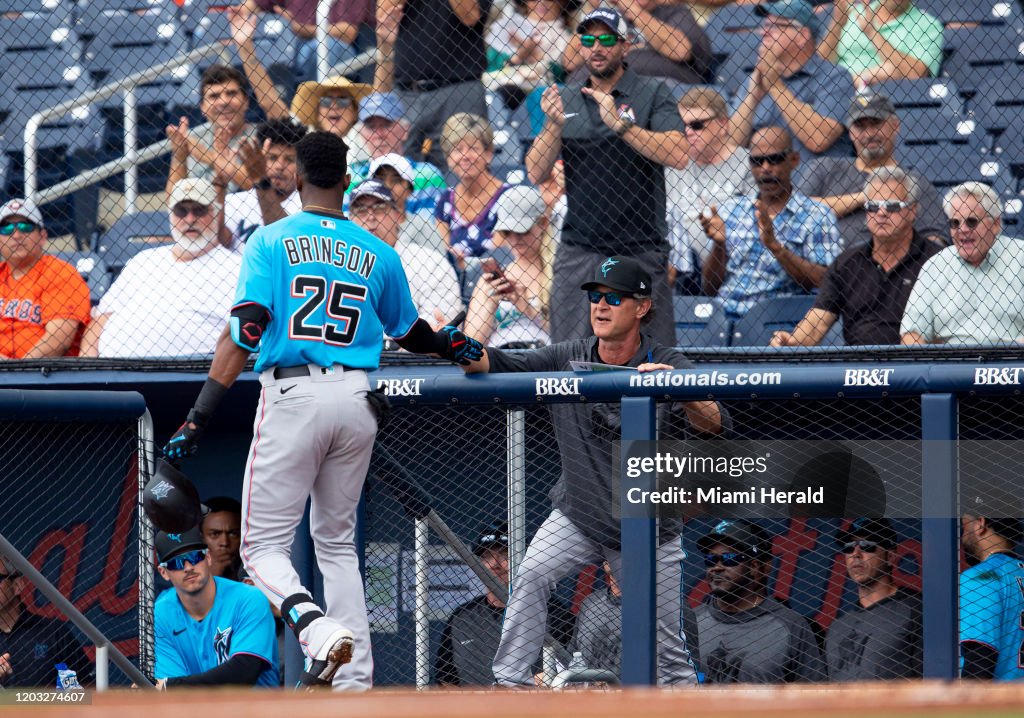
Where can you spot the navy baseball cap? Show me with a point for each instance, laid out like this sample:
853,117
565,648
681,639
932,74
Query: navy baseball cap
878,530
494,536
381,104
749,538
606,15
371,188
622,274
799,11
170,545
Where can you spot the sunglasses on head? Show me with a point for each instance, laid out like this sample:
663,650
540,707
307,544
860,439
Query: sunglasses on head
23,227
607,40
327,101
970,223
864,545
890,206
774,159
178,562
698,125
614,299
196,210
732,559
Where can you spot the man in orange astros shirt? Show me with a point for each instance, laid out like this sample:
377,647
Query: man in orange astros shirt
44,303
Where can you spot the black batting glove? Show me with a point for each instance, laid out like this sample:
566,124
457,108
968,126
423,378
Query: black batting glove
460,348
185,440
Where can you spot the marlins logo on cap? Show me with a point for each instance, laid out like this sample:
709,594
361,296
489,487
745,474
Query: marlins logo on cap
606,266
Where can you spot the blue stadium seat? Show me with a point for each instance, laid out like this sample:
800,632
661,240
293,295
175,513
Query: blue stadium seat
733,72
926,125
92,15
1013,216
93,270
275,43
947,164
978,52
984,12
1008,147
730,27
131,234
932,92
700,322
999,100
756,327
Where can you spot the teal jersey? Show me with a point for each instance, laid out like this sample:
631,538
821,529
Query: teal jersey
992,611
240,622
333,290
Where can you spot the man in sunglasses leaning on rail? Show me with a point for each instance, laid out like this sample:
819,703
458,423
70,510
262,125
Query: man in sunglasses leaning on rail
210,631
582,527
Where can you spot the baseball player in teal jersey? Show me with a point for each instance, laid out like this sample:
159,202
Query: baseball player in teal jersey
315,296
991,596
209,630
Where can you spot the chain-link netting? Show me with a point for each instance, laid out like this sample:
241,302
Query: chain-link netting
72,496
778,169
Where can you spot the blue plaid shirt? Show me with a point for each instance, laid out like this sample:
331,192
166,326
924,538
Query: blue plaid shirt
807,228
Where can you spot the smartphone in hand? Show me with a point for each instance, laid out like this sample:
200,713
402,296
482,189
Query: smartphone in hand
491,267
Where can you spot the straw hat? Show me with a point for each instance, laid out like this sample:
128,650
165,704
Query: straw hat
306,103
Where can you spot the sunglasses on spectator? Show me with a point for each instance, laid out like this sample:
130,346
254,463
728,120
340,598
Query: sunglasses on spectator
970,223
774,159
181,211
614,299
178,562
890,206
377,208
698,125
606,40
328,101
864,545
731,559
23,227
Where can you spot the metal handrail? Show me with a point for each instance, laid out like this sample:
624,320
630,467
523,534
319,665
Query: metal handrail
130,161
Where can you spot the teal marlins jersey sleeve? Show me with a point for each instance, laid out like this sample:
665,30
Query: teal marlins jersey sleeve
992,611
333,290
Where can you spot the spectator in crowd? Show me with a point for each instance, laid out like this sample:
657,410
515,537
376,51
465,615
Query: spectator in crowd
221,529
745,635
31,645
432,280
269,161
419,227
667,42
439,57
869,284
792,86
615,154
717,171
991,602
880,637
331,105
471,634
465,213
383,130
883,40
212,150
598,632
172,300
44,302
525,47
510,304
839,181
209,631
777,242
343,22
972,292
582,526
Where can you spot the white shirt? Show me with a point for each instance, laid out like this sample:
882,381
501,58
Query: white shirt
160,307
242,214
690,191
432,281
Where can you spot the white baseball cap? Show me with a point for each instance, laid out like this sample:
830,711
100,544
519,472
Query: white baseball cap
518,208
398,163
195,189
23,208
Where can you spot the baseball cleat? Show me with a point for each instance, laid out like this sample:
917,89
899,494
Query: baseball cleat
336,652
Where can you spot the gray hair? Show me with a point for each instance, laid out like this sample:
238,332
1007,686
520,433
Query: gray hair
985,195
896,174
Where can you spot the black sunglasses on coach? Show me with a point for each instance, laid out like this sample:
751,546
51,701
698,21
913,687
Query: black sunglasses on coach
732,559
614,299
774,159
864,545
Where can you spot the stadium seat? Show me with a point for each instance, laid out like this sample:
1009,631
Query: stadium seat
131,234
274,39
927,125
93,270
1008,147
733,72
59,10
984,12
933,92
700,322
1013,216
947,164
731,27
755,328
92,15
999,100
978,52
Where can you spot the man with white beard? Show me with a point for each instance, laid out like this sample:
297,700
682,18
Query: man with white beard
171,301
